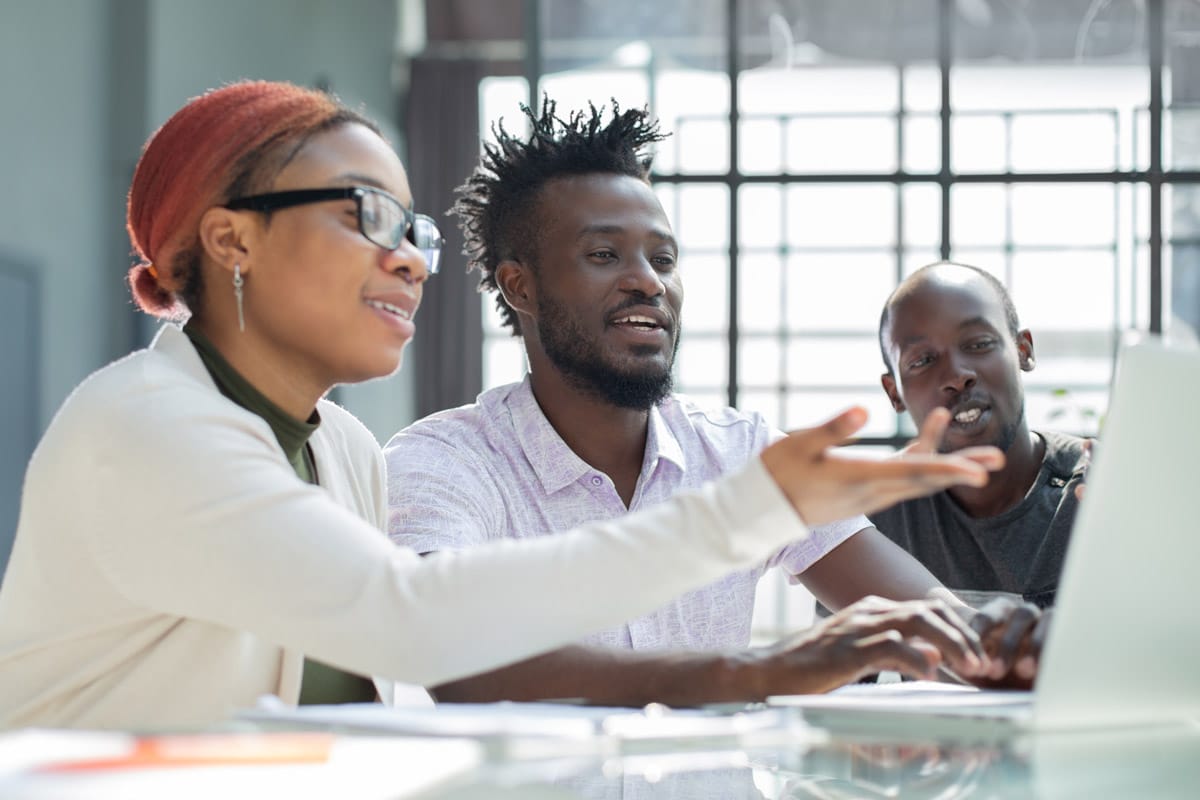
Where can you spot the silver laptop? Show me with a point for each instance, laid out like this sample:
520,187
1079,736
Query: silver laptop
1124,645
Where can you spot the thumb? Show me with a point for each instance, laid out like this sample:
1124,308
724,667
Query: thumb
834,431
932,430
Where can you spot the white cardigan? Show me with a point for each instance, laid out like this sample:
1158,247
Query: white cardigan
169,567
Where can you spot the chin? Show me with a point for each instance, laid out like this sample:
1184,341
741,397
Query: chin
382,366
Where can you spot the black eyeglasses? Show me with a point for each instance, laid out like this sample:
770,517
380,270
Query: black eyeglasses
381,218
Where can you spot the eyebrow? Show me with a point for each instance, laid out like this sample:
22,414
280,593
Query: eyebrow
657,233
366,180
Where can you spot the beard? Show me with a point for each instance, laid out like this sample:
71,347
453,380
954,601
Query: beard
581,361
1008,433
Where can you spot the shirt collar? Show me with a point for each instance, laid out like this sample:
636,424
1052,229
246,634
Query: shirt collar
557,465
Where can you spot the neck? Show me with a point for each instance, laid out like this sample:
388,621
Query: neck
1010,485
285,385
609,438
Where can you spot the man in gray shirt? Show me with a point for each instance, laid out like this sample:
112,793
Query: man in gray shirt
950,337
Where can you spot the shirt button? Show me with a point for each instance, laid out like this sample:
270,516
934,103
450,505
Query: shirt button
597,480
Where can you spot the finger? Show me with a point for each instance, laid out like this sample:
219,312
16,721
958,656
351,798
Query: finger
990,458
1027,666
1018,626
937,625
891,651
835,431
932,431
991,618
943,470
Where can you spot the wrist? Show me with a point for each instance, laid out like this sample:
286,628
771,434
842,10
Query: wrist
742,676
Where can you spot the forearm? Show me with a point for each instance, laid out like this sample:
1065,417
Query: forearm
868,563
611,676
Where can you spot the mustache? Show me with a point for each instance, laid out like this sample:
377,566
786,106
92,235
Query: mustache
971,399
646,302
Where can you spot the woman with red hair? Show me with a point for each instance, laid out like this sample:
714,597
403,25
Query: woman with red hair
197,518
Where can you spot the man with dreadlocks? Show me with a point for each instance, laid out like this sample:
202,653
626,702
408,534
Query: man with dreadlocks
568,233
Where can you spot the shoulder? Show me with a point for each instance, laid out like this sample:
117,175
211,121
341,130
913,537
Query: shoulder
1064,453
456,439
901,521
723,427
342,427
142,392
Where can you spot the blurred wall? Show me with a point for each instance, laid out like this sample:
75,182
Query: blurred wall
82,84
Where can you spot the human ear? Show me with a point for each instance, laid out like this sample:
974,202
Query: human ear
889,386
1025,351
227,237
516,286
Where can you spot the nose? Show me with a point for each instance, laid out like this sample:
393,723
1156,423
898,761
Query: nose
406,261
959,376
640,277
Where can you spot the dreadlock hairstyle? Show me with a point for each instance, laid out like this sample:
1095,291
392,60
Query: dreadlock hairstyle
495,206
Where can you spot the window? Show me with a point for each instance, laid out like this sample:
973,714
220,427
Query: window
820,155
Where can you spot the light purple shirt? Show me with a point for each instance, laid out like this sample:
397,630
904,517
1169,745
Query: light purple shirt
497,469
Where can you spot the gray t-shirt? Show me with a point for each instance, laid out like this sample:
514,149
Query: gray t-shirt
1019,552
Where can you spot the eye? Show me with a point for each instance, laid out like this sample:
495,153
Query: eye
920,361
603,254
664,260
980,345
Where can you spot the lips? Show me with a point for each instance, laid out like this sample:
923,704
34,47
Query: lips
400,304
969,414
641,318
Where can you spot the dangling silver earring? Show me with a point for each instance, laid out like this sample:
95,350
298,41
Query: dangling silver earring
238,283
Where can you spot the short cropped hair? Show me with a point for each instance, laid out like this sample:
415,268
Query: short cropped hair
1010,310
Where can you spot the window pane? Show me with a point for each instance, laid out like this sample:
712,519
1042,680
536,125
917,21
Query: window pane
841,144
1181,138
501,98
989,98
706,292
693,107
760,362
761,144
798,90
831,215
503,361
807,408
838,291
574,89
843,361
978,215
767,403
922,215
760,216
1061,142
1070,214
922,144
760,303
1078,411
701,216
1181,94
702,144
1064,290
978,143
702,364
1182,261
